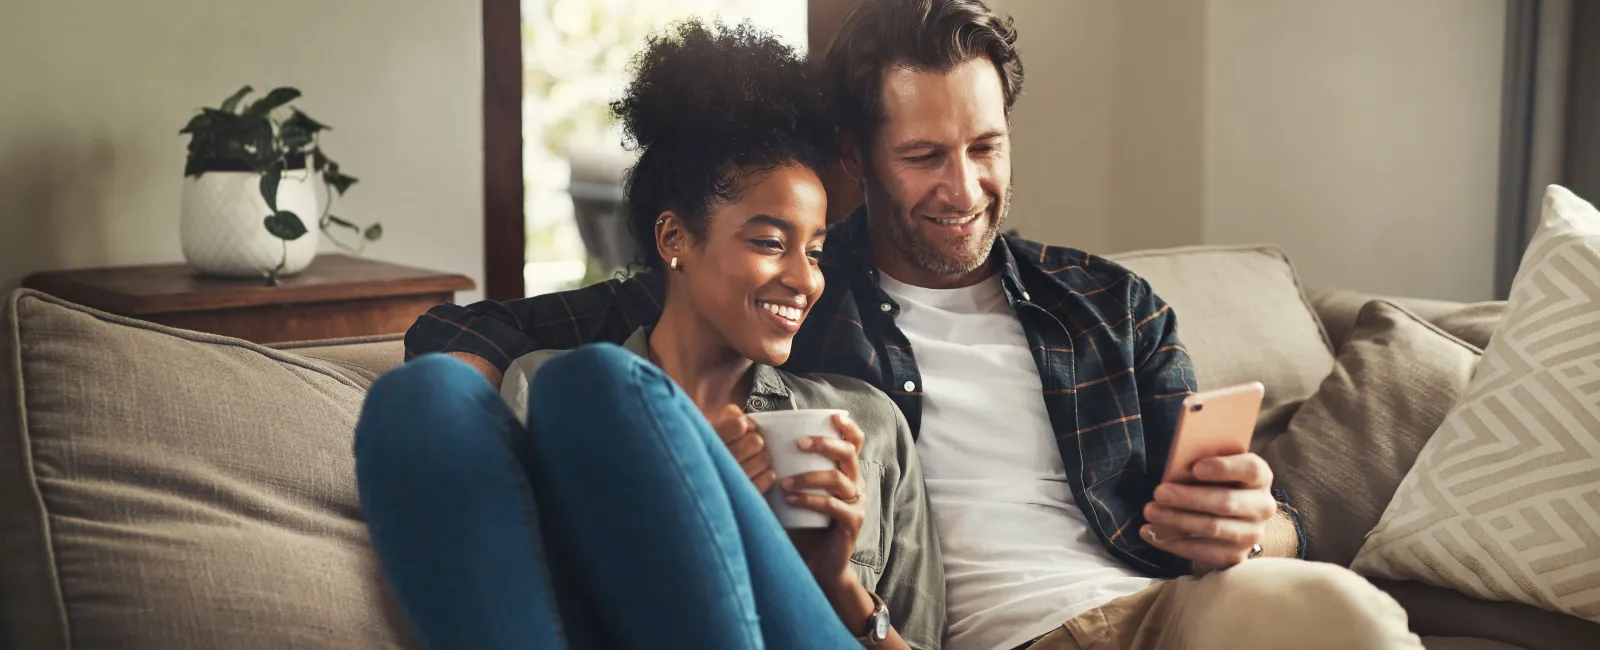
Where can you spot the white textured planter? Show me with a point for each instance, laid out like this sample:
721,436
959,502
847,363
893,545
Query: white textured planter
221,223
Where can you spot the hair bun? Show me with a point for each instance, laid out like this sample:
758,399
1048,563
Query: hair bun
718,86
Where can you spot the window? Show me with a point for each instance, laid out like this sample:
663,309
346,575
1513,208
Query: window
575,56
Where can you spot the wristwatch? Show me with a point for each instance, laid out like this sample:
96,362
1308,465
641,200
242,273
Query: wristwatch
877,624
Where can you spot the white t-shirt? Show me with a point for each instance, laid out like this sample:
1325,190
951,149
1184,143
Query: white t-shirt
1019,557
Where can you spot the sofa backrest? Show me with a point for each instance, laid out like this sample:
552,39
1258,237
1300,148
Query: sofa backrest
164,489
1243,317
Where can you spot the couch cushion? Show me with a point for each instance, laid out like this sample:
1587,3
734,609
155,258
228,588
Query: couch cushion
1243,317
1501,503
363,357
165,489
1395,379
1337,310
1473,323
1435,611
1463,643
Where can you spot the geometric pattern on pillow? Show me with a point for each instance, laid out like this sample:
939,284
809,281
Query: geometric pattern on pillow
1504,500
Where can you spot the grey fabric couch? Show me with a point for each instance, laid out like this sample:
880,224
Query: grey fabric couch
162,489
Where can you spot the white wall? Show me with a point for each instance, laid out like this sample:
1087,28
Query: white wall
93,92
1061,158
1158,146
1361,135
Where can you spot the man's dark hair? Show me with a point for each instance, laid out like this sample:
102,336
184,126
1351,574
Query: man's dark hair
935,35
708,108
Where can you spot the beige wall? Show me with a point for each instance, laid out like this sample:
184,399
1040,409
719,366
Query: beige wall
1061,160
92,93
1361,135
1158,148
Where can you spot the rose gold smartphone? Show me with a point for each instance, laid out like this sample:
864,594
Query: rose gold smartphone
1213,423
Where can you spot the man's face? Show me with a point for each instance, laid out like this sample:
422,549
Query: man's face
938,174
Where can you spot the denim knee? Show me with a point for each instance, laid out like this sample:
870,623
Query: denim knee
597,376
426,397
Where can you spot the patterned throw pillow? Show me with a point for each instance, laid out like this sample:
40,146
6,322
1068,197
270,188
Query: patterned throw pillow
1504,500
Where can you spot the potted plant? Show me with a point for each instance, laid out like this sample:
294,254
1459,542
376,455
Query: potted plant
250,185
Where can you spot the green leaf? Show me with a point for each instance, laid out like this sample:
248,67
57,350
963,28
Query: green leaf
232,102
285,225
342,222
256,132
298,131
293,137
305,123
222,121
269,184
374,232
197,123
274,99
194,166
339,182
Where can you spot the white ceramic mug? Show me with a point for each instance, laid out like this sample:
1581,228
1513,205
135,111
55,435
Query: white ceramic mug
782,431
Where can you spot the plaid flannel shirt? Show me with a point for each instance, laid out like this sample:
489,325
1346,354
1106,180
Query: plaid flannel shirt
1107,350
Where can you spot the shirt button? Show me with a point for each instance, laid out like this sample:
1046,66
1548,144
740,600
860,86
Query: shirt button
756,403
885,307
911,386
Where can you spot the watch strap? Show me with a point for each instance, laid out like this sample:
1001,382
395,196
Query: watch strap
880,611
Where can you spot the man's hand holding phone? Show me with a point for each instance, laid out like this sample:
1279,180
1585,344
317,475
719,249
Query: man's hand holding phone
1217,521
1214,504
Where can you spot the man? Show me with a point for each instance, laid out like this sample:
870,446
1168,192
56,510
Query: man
1043,383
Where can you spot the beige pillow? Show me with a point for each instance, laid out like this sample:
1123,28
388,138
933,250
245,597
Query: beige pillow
1357,436
1504,501
1474,323
168,490
1243,317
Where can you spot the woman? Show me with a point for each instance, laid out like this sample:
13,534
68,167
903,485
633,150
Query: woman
610,512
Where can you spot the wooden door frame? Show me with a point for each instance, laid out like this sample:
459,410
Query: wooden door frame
504,228
504,225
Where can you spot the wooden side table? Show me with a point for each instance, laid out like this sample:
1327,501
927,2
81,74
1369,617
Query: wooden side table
337,296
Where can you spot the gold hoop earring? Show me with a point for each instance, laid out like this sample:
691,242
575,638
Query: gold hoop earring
674,265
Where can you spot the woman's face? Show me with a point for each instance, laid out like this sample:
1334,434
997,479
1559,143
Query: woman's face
753,277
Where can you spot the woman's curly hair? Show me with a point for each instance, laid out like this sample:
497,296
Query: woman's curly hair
707,108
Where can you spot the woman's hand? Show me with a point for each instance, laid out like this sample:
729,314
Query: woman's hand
738,432
827,551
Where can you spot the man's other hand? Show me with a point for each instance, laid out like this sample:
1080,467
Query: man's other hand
482,365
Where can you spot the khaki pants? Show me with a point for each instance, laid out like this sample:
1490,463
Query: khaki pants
1260,604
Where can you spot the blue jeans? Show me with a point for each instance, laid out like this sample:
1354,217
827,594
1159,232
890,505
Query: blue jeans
616,518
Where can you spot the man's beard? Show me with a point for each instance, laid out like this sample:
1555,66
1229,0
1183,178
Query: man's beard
927,256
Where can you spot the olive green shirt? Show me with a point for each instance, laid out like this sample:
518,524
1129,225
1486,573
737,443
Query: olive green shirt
897,553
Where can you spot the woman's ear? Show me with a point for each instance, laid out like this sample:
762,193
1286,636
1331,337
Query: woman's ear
672,238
